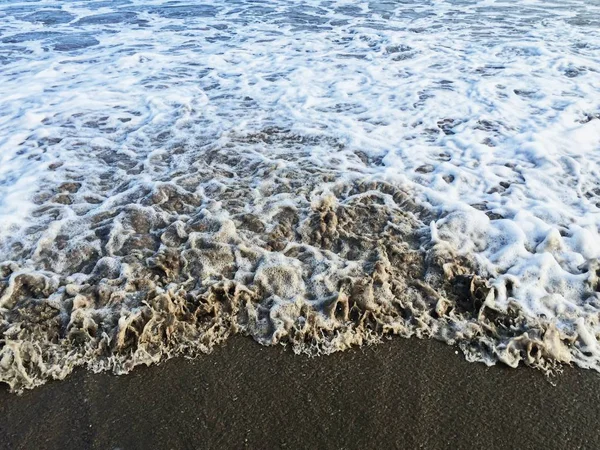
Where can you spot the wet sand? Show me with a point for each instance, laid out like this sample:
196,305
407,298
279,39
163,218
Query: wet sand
402,394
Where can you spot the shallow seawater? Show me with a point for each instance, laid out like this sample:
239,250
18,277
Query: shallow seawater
316,173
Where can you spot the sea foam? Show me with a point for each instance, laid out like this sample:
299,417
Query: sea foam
317,173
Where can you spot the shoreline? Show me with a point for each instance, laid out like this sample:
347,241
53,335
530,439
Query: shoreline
405,393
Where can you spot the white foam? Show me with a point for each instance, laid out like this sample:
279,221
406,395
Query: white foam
478,107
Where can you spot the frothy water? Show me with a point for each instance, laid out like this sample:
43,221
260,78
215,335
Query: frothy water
317,173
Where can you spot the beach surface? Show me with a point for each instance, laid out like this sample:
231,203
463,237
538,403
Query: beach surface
191,178
404,394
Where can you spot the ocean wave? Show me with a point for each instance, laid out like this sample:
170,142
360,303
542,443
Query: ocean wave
320,174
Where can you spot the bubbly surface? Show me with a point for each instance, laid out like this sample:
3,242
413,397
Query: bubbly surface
317,173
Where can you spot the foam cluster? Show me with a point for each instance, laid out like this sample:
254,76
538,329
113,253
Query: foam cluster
319,173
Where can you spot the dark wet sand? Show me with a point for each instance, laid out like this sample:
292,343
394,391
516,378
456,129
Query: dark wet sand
402,394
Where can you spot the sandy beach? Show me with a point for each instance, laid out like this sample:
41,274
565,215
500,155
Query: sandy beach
401,394
276,186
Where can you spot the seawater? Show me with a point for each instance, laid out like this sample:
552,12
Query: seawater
322,174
